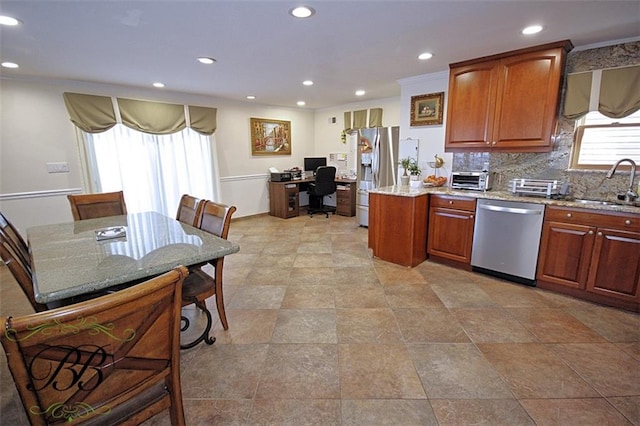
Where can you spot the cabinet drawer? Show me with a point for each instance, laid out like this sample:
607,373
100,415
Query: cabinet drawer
616,220
453,202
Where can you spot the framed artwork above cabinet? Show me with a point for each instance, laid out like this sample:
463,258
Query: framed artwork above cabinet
506,102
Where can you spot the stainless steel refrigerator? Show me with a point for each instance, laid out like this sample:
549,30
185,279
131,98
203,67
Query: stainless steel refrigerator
377,165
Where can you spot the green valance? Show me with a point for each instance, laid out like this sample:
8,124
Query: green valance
375,117
95,114
613,92
360,119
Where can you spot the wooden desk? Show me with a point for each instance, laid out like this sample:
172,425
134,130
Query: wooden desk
284,201
68,260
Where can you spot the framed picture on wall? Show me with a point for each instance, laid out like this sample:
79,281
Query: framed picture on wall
270,137
426,109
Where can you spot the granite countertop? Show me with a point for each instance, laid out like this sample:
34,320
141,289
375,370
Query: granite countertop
408,191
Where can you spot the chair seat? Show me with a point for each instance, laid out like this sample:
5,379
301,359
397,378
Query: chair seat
198,285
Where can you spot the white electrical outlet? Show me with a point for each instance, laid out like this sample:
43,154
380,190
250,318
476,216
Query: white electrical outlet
62,167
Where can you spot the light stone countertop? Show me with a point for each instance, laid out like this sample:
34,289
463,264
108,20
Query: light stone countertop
68,260
408,191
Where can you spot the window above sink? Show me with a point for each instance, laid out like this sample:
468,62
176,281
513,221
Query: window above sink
601,141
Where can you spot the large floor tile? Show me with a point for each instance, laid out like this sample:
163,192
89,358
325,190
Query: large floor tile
374,371
606,367
302,370
490,325
411,296
309,297
367,326
391,412
360,296
554,325
246,326
489,412
295,412
305,326
533,371
457,371
425,325
462,295
573,412
629,406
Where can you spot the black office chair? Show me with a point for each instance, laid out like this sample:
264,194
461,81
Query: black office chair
325,184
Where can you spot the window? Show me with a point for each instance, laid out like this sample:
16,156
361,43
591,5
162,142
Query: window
600,141
152,170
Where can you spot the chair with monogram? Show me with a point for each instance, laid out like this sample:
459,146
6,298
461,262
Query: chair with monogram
111,360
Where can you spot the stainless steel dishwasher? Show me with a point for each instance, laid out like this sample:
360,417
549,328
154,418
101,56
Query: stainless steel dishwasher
506,239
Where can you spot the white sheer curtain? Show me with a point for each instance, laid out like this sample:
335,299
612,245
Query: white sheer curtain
152,170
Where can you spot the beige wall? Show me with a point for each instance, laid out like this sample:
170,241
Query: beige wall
35,129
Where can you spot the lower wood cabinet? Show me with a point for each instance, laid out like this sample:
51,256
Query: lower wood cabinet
398,228
451,222
346,199
595,256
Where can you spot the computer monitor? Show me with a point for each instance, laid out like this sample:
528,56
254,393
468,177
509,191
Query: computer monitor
312,163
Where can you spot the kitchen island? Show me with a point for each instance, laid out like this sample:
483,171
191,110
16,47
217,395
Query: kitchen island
398,225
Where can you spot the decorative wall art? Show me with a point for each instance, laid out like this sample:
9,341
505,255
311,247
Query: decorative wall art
270,137
426,110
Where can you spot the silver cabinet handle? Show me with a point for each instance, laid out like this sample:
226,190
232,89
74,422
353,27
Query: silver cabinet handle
627,222
599,234
569,215
590,232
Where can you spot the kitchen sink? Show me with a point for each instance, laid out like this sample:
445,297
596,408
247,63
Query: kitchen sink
596,202
605,203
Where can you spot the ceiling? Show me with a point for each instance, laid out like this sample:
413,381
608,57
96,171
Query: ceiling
261,50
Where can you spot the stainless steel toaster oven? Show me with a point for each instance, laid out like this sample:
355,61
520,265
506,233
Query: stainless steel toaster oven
477,181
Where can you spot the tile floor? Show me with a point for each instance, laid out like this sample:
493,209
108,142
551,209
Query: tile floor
322,334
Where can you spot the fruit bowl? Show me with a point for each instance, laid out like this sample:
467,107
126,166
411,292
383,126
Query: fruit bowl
434,181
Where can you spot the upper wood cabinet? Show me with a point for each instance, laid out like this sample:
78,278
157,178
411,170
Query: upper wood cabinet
506,102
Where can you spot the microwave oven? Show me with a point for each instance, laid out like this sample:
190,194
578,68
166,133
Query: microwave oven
477,181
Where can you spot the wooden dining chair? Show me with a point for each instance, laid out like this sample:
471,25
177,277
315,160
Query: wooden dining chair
189,210
89,206
15,240
214,218
20,272
111,360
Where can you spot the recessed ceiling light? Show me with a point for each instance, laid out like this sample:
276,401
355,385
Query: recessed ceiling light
424,56
360,92
158,84
302,12
301,103
8,20
308,83
533,29
9,65
206,60
251,97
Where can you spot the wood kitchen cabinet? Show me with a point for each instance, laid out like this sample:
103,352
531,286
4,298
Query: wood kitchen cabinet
451,222
506,102
591,255
398,227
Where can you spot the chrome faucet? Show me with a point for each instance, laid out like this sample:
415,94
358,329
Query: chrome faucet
630,196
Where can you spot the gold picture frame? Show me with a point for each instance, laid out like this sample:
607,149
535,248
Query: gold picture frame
426,110
270,137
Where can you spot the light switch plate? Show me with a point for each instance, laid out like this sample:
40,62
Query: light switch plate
62,167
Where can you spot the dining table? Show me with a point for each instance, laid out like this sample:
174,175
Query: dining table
74,259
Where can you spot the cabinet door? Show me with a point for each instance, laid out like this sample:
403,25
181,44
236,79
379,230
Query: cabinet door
470,107
527,101
615,265
450,234
565,250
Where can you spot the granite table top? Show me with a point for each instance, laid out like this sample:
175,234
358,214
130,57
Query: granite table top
70,260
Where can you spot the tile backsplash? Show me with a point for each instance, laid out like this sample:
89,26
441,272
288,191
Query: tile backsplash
554,164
